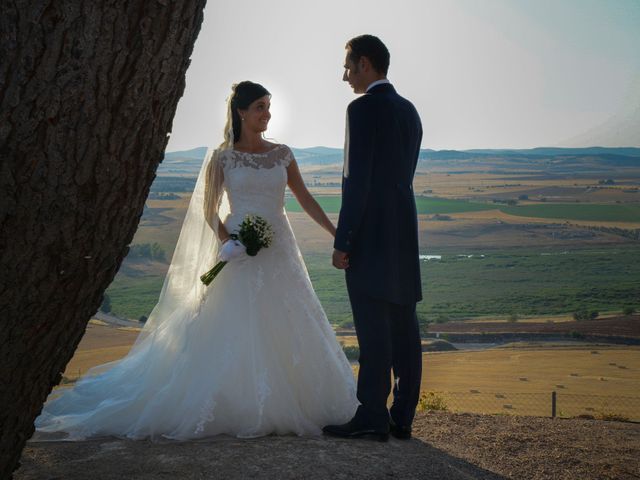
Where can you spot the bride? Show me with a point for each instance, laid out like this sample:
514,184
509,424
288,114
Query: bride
252,354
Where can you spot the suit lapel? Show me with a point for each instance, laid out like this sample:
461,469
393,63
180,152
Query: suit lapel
345,166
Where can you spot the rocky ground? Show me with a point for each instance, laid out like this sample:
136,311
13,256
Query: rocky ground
445,446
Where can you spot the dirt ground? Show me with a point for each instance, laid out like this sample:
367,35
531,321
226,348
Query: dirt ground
445,446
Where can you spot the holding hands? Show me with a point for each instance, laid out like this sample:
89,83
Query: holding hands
340,260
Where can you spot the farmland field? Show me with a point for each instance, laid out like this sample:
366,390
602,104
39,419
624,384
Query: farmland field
509,282
527,239
570,211
568,240
588,380
514,379
456,286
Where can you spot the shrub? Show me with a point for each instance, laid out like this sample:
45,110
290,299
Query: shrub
106,304
584,314
628,311
150,251
432,401
513,317
347,324
142,319
352,352
612,417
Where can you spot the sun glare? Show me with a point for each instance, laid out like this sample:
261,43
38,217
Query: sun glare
280,113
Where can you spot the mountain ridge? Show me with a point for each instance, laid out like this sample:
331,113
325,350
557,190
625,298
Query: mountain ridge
189,162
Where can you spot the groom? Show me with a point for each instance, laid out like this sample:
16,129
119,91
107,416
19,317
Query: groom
377,244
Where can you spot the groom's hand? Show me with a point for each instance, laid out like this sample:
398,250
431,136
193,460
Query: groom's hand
340,260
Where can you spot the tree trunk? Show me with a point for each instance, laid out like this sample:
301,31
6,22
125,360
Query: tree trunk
88,91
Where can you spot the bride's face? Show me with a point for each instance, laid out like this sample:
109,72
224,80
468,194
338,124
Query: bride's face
257,116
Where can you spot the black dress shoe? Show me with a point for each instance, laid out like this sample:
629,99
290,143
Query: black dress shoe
398,431
353,429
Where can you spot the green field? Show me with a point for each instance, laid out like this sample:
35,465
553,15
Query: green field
561,211
525,283
424,205
531,283
132,297
505,283
572,211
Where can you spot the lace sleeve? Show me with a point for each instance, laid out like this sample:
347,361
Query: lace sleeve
288,157
214,179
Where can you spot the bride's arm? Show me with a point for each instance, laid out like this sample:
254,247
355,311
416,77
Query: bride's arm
306,200
214,180
223,234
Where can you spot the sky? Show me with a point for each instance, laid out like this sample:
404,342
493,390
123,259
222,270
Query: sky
482,73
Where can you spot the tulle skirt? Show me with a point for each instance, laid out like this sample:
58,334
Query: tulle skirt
255,356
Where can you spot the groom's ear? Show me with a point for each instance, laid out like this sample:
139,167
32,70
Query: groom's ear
366,65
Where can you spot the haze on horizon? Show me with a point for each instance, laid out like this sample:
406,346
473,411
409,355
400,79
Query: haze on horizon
493,74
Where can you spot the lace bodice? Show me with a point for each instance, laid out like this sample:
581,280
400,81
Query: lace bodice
255,182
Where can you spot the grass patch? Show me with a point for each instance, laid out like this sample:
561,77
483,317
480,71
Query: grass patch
134,296
530,283
505,283
424,205
572,211
564,211
511,282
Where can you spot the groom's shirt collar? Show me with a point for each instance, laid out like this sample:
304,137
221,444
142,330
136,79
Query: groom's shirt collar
376,83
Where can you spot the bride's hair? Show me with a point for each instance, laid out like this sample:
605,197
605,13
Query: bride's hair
244,94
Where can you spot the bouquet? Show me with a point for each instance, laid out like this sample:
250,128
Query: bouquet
254,233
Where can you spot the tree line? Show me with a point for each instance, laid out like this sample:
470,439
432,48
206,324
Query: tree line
150,251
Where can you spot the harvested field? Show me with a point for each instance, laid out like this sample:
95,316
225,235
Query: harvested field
624,326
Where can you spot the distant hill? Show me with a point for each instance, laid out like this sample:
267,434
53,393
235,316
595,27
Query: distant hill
557,151
189,162
318,156
193,154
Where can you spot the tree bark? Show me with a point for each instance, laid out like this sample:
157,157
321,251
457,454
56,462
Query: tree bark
88,91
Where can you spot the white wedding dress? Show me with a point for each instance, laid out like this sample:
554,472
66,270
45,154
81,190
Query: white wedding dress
254,355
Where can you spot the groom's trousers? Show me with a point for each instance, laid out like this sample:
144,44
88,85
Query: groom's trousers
389,339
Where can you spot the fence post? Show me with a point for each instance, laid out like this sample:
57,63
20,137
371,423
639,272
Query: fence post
553,404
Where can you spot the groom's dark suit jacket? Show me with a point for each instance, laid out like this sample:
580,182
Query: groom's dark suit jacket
377,226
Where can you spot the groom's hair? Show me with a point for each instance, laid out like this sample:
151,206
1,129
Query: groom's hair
371,47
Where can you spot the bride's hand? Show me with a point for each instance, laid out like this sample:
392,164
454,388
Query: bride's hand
232,249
